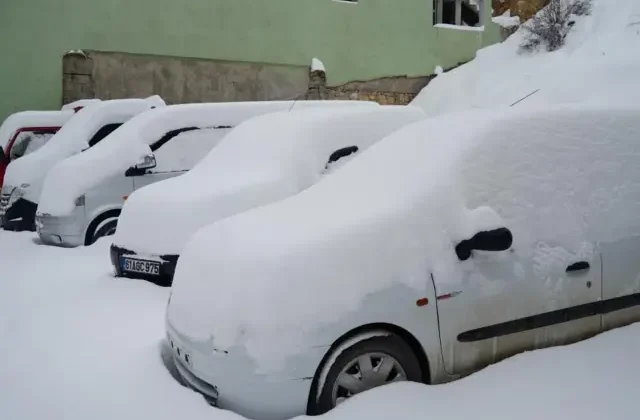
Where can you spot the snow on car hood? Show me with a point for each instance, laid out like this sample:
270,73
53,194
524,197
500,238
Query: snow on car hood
31,119
72,138
262,160
392,216
128,144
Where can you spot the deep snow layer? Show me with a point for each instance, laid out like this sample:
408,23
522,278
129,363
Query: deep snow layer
31,119
78,344
600,62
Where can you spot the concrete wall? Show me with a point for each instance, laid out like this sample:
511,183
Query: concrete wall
367,40
178,80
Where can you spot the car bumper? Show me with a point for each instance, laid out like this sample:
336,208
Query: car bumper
167,265
17,216
229,380
66,231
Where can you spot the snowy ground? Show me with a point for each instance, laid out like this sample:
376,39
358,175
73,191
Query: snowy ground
77,343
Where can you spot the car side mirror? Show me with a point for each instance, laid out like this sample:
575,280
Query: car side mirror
499,239
146,162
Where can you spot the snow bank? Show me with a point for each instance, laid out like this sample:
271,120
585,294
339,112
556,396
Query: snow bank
599,62
395,213
591,380
262,160
73,138
31,119
128,144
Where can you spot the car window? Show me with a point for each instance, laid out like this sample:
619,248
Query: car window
103,132
180,150
27,142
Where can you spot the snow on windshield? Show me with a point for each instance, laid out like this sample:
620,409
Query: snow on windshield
395,213
72,138
262,160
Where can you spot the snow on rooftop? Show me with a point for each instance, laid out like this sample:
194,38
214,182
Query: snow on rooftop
71,139
506,20
395,213
598,63
24,119
262,160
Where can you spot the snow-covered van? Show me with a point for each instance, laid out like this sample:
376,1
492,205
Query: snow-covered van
263,160
452,244
153,146
24,132
24,177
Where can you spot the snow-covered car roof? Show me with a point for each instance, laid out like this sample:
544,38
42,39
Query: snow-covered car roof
73,138
262,160
397,211
80,103
23,119
129,143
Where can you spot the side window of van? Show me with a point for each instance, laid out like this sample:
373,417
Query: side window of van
103,132
179,150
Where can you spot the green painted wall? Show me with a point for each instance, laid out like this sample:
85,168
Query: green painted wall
370,39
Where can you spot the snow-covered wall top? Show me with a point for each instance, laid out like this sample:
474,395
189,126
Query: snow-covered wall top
72,138
31,119
394,214
264,159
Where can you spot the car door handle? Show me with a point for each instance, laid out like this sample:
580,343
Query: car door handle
578,266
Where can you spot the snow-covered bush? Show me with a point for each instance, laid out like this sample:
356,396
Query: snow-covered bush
550,26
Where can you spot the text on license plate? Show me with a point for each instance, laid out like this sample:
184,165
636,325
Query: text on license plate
140,266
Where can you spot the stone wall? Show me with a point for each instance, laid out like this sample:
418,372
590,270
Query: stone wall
398,90
112,75
525,9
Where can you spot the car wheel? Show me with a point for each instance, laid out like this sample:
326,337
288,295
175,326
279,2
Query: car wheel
367,364
107,229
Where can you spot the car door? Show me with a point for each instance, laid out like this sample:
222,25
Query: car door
507,303
545,290
178,151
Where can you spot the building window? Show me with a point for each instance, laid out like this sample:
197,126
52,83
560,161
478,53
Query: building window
459,12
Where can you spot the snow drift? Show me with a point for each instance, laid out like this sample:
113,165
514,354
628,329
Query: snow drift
599,62
72,138
395,213
262,160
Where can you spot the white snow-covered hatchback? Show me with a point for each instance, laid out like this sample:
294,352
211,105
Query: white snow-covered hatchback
453,243
262,160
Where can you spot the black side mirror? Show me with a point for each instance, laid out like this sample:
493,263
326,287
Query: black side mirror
491,240
340,153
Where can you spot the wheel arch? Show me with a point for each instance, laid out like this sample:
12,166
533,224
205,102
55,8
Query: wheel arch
364,330
97,221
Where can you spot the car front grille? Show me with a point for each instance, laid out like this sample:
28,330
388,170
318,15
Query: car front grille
4,202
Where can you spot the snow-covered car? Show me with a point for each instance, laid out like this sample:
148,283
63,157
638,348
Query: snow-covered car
24,132
158,144
262,160
451,244
24,177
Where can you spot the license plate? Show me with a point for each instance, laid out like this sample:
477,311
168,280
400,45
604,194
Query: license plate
181,354
141,266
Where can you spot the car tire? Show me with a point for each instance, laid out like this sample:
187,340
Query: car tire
107,229
376,349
